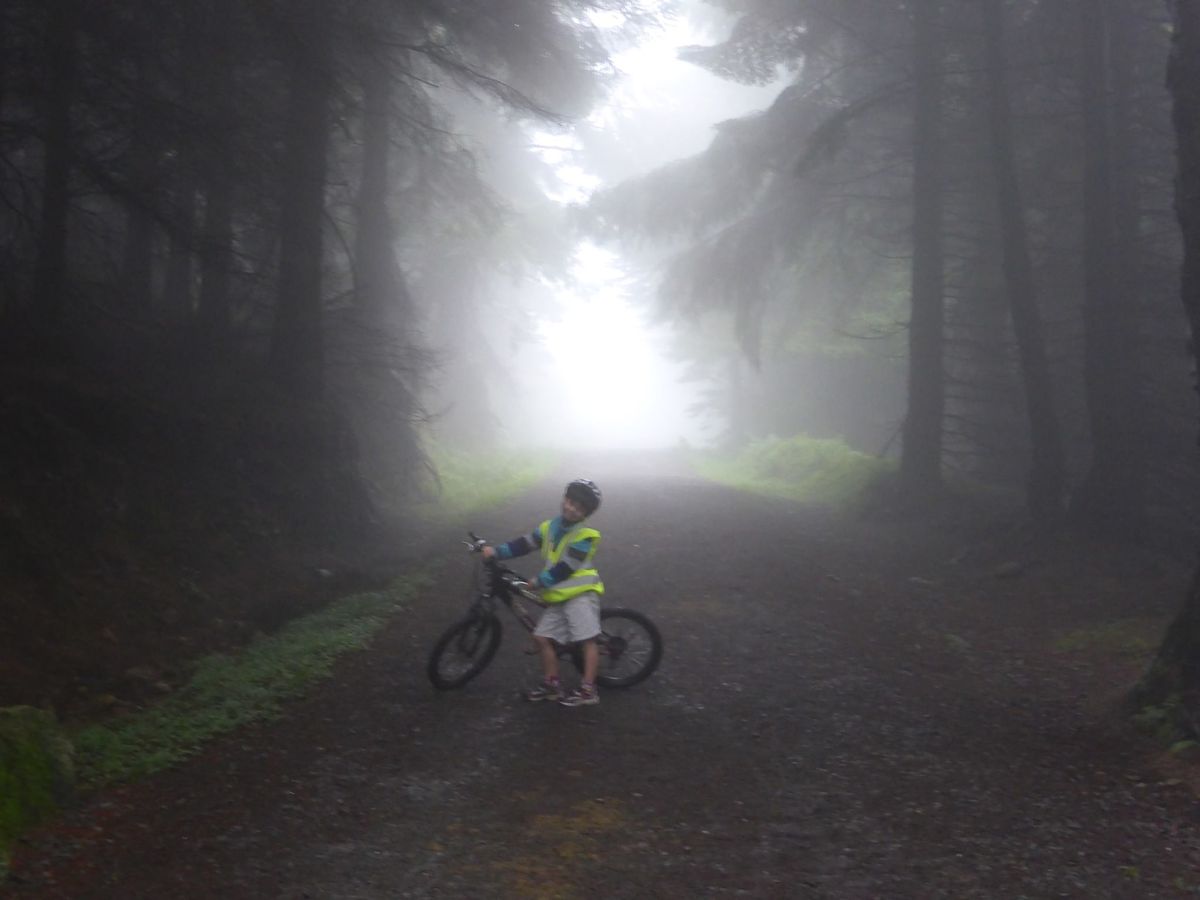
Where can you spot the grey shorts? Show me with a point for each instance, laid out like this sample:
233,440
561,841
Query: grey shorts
577,619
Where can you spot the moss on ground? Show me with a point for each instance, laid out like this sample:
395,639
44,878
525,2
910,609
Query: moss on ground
40,764
36,772
1135,638
812,470
227,691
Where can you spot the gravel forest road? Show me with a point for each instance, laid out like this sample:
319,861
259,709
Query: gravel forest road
840,713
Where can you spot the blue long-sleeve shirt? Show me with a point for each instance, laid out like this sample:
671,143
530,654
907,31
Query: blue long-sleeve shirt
571,560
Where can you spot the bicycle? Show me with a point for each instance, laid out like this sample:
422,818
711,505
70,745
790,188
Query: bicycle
629,644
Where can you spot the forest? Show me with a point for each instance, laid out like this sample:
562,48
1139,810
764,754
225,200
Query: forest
273,272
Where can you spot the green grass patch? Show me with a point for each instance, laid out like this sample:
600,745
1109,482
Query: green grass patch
812,470
1161,721
466,483
253,684
228,691
1133,638
35,772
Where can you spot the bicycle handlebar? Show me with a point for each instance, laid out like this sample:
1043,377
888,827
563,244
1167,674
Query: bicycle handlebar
518,581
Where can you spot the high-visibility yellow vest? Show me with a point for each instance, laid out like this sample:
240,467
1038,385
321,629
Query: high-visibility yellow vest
585,578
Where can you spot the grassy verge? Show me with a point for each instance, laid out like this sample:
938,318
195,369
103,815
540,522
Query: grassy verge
811,470
230,690
227,691
1132,639
469,482
36,772
253,684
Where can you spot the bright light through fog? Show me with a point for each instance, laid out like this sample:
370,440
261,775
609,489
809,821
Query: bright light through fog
617,389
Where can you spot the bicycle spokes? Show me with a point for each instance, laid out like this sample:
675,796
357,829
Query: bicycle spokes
612,645
470,639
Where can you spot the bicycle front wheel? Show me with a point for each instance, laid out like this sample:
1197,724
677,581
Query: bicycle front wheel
463,651
630,648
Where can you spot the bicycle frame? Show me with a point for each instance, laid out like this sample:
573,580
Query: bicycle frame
629,644
503,585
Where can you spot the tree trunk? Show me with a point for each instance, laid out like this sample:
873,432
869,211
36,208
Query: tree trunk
177,279
1174,678
50,264
1047,471
192,42
4,58
296,350
381,290
137,265
460,396
213,309
921,457
383,370
1110,499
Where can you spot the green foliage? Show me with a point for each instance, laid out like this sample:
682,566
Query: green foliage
227,691
1161,721
812,470
957,644
1127,637
36,771
469,482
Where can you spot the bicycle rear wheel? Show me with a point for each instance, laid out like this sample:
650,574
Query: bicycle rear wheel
463,651
630,648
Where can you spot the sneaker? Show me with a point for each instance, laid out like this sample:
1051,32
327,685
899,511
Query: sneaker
544,691
580,697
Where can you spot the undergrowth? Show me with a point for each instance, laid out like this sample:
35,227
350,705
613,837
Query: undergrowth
227,691
469,482
1136,638
230,690
812,470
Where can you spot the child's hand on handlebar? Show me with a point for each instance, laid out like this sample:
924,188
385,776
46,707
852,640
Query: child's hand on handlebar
488,551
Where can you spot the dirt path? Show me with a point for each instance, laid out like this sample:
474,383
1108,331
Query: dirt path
831,719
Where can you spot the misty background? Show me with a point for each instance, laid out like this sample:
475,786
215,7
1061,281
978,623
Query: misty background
292,272
294,292
656,108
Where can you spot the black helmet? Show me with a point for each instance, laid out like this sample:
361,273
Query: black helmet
585,493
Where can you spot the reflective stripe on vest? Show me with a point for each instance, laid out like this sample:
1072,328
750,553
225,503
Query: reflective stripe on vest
585,578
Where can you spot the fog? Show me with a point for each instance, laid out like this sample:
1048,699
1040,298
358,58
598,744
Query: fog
601,331
940,235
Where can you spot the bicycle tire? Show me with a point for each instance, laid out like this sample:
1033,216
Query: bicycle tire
630,648
463,651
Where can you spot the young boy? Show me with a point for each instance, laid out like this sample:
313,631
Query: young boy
570,585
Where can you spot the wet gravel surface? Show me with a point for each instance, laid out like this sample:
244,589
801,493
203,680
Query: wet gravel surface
840,713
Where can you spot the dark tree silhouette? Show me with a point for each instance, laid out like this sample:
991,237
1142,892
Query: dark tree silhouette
1110,499
1174,678
296,351
1045,486
921,459
61,60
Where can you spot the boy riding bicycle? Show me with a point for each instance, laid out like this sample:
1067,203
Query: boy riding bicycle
570,585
